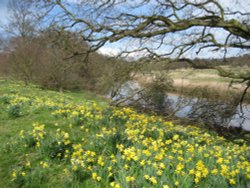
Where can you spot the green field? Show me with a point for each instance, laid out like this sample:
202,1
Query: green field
74,139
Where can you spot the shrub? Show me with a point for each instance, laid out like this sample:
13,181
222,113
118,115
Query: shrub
5,99
14,111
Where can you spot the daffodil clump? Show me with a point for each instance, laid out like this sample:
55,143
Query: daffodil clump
86,145
80,114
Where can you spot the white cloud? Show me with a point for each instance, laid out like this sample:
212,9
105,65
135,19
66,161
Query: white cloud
109,51
236,5
75,1
115,49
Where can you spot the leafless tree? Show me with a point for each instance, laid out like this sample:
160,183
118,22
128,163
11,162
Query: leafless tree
191,23
21,28
159,28
180,30
21,19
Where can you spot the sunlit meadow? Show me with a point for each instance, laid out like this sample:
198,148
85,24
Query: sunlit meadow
52,139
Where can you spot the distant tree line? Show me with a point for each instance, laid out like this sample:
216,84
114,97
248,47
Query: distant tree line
168,64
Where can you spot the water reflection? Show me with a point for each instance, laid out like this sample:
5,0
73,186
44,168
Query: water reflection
183,106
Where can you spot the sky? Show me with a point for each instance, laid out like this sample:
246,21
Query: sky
113,49
3,11
244,5
232,5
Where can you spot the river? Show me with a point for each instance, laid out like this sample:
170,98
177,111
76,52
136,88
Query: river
239,118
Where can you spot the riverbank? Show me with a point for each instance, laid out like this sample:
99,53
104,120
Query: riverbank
226,117
55,139
200,83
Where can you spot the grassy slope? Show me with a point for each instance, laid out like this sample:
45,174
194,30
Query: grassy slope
98,146
10,127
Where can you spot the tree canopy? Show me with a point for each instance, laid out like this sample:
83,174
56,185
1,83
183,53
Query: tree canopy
159,28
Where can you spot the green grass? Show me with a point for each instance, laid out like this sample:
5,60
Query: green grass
10,127
74,139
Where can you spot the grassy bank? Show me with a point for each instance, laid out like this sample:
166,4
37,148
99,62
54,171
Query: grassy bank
52,139
198,77
205,83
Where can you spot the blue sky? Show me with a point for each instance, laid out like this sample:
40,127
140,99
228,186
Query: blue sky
3,11
114,48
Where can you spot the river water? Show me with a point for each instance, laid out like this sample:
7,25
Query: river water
240,118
